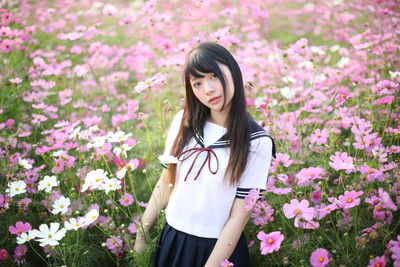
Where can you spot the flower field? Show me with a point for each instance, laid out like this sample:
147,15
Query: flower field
88,90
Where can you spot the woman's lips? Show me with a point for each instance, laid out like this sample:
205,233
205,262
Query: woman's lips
214,100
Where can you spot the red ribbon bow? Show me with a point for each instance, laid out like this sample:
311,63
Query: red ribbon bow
199,150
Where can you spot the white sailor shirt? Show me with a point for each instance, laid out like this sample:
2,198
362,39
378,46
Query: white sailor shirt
201,201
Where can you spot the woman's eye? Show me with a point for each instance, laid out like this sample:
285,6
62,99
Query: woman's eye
214,76
197,84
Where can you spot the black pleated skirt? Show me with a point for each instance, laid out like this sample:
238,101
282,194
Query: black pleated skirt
179,249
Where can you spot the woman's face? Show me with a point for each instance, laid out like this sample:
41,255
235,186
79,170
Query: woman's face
209,90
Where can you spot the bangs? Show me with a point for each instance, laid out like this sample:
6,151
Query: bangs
203,62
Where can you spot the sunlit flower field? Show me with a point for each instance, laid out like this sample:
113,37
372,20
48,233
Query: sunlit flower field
88,90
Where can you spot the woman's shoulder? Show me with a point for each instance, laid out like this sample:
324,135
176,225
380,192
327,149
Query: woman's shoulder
259,138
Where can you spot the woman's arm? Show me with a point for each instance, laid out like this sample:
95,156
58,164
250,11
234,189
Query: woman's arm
158,201
230,234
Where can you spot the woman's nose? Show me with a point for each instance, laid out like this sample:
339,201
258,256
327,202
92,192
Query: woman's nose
208,87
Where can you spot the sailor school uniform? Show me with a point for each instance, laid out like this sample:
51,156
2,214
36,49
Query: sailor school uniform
201,201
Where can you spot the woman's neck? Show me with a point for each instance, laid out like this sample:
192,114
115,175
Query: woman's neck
220,118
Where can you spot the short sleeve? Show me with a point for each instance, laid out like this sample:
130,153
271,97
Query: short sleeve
257,167
172,133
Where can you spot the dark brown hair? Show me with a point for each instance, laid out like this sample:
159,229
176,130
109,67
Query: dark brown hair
204,58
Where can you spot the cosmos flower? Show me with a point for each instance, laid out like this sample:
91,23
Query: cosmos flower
49,236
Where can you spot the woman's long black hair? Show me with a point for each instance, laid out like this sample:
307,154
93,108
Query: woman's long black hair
204,58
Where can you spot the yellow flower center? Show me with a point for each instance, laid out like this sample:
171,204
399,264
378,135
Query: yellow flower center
16,189
97,180
49,235
77,224
371,171
48,184
349,200
20,231
270,240
297,211
61,206
318,135
321,259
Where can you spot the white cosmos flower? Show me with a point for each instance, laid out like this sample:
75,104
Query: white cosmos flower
118,137
91,216
168,159
16,188
48,183
24,237
287,93
130,166
61,205
111,184
75,133
94,179
97,141
24,163
74,223
49,236
121,149
343,61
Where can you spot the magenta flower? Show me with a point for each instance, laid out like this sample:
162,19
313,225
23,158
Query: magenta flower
252,198
270,242
378,261
349,199
340,161
20,228
3,254
298,209
319,257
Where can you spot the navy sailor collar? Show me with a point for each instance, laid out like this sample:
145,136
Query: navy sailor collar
256,131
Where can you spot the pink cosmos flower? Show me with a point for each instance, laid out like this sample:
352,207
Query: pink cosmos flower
341,97
270,242
252,198
307,174
325,210
126,199
319,258
385,100
262,213
320,137
114,244
378,262
20,228
281,160
37,119
298,209
340,161
300,45
109,9
385,200
372,173
394,247
349,199
226,263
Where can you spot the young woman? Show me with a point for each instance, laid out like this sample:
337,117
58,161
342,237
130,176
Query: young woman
222,154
